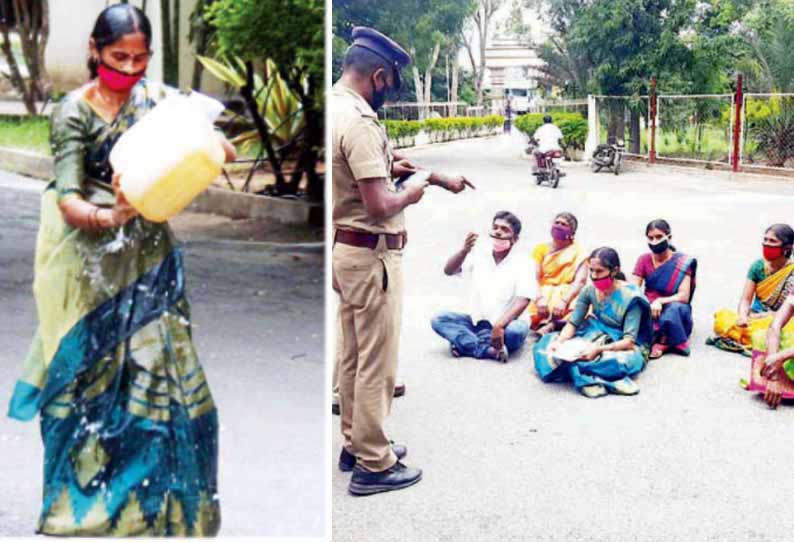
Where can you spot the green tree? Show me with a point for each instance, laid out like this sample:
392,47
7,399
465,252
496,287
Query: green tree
475,34
30,21
616,46
291,34
424,27
769,31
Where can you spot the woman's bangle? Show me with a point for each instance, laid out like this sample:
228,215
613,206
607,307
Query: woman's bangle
113,222
93,219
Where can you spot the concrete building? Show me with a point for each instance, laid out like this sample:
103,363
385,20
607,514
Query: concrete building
71,23
511,69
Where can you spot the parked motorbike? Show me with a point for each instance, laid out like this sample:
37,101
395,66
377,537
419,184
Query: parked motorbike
608,156
547,165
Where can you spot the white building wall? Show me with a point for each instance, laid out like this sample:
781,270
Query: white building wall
71,22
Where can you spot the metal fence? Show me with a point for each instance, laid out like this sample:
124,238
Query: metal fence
741,131
767,134
421,111
695,128
560,106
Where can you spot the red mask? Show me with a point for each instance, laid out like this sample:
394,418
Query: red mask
116,80
603,284
772,253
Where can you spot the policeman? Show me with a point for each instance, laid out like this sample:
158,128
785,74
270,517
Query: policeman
369,238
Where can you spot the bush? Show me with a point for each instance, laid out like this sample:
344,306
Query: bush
443,128
572,125
398,129
774,135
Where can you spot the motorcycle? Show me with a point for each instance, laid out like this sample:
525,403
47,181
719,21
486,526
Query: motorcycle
608,156
547,165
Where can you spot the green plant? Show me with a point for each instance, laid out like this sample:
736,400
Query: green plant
294,40
398,129
278,105
572,125
443,128
774,136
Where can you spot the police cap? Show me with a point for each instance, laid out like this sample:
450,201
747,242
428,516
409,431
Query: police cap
383,46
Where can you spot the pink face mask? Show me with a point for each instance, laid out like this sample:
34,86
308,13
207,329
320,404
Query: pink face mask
561,233
500,245
603,284
116,80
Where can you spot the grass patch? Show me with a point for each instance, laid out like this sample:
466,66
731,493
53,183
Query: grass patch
26,133
711,143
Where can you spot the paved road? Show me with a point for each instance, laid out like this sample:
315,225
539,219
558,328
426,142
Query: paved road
258,327
506,457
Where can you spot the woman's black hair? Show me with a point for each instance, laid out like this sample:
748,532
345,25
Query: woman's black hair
113,23
568,218
609,258
785,234
662,225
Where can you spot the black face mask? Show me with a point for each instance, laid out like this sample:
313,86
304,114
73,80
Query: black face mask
659,247
378,96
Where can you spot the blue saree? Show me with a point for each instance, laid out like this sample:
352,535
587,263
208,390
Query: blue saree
625,312
674,325
129,427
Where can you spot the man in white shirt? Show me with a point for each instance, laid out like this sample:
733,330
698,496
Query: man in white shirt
500,285
548,138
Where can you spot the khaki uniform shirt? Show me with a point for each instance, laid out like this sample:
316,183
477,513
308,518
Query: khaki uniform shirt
361,150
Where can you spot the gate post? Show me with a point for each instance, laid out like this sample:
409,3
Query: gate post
652,148
737,124
592,128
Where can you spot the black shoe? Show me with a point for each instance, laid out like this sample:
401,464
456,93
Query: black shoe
335,409
399,390
347,460
398,476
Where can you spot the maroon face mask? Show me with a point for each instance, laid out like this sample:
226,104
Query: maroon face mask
561,233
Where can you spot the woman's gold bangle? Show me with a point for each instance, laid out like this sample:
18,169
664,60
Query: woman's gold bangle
93,219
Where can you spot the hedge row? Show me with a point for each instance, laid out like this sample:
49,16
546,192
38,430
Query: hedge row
572,125
398,129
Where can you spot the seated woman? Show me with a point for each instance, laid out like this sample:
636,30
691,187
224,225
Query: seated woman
669,278
769,281
561,275
773,357
616,337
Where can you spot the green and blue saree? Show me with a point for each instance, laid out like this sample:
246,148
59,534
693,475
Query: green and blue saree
626,312
129,427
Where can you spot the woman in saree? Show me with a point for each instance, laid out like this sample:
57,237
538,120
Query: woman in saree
772,370
769,282
561,275
614,340
129,427
669,280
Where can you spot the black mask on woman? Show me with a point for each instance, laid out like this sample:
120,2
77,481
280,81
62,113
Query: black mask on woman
660,247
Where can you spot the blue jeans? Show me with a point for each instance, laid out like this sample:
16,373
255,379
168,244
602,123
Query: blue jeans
472,340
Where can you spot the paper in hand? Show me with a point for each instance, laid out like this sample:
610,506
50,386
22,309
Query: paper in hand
572,349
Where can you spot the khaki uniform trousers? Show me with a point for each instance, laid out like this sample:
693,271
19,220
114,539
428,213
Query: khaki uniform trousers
369,283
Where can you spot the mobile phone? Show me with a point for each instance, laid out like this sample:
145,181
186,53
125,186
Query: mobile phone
419,177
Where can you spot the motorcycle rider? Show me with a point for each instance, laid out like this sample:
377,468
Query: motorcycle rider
548,139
